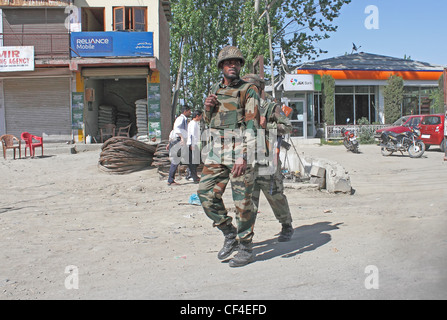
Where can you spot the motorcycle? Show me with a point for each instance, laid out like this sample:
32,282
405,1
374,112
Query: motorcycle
408,141
350,140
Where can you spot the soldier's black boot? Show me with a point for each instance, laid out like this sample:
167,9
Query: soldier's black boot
286,232
244,256
230,242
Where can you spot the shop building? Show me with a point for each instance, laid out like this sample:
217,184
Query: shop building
96,62
360,80
35,96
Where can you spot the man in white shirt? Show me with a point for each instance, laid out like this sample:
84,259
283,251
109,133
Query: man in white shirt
180,135
193,144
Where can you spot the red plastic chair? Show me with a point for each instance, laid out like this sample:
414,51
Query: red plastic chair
29,140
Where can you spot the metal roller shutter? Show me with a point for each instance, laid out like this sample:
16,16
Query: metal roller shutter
121,72
38,106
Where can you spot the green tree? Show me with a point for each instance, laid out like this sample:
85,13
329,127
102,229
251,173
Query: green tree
437,95
393,96
328,87
366,135
307,22
203,27
200,28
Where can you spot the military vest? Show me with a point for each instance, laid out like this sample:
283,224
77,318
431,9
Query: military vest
280,124
230,111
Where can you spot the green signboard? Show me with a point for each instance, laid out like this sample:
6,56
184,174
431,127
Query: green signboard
77,110
153,110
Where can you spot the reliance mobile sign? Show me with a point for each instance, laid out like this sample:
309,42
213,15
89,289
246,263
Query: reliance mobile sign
94,43
112,44
16,59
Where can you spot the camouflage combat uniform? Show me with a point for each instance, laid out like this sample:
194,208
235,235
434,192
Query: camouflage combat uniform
272,184
232,126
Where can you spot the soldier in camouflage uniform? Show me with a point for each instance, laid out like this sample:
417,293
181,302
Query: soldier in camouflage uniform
270,180
232,114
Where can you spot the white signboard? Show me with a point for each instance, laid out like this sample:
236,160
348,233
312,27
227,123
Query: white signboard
16,59
299,82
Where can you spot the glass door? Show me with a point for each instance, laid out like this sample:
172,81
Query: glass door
299,118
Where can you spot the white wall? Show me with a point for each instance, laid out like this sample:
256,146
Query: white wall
153,7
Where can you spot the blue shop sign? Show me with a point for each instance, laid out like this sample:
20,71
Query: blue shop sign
112,44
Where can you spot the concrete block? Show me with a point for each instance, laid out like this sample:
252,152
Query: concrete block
320,181
336,178
317,171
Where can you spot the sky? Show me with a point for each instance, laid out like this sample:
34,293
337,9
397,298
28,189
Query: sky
396,28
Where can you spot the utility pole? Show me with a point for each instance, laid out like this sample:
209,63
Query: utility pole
257,6
271,54
177,84
266,12
258,68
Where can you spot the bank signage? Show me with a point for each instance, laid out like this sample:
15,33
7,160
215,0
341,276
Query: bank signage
16,59
302,82
112,44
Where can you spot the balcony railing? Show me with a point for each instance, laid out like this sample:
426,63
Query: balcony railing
46,45
35,3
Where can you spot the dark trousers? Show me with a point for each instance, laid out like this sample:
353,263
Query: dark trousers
192,165
194,161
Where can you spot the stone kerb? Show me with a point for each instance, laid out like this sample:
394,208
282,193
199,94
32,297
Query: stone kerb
337,178
325,174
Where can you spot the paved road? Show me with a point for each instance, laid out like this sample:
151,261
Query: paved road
133,237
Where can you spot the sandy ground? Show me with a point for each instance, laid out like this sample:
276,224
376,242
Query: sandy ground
70,231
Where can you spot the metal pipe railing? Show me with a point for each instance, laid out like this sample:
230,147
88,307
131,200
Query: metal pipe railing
33,3
46,45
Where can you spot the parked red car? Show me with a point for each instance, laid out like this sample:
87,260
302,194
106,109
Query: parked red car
431,126
432,130
401,125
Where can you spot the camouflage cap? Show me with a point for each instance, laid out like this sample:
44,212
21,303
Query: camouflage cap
228,53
